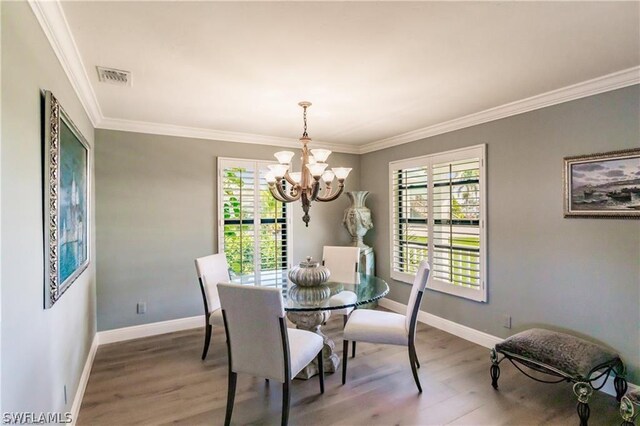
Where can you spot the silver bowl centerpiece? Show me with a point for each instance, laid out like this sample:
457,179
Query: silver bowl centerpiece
308,278
309,273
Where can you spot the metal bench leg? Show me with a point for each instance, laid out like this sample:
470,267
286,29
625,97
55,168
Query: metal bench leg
583,391
495,369
627,411
621,387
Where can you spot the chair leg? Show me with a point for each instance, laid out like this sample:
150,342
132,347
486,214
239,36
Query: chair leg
414,370
321,371
231,394
353,349
345,356
415,356
207,340
286,401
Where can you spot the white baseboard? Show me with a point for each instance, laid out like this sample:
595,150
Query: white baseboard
146,330
478,337
84,379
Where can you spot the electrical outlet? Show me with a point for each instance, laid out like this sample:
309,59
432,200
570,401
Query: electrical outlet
506,321
141,308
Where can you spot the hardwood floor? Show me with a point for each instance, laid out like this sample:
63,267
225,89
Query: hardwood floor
161,380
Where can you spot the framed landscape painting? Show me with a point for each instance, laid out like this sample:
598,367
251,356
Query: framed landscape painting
603,185
66,200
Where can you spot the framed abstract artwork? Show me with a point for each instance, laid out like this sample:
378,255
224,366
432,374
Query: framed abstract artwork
66,200
603,185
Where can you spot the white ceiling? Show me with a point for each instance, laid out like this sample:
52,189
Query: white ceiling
373,70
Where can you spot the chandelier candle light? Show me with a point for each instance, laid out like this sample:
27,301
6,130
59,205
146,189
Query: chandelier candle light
305,184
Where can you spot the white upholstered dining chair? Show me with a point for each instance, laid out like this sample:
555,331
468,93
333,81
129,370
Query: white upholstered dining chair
259,342
388,327
211,270
344,265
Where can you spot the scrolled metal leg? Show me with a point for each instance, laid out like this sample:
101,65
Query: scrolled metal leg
621,387
495,369
583,391
627,411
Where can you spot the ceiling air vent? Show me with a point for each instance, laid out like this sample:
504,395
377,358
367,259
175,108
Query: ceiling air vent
113,76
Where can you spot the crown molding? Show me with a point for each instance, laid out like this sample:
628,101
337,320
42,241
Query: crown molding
606,83
51,18
53,22
219,135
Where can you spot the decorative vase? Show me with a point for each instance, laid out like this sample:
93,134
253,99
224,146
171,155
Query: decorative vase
357,218
309,273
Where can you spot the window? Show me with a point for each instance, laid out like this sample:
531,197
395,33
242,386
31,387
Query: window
438,212
253,228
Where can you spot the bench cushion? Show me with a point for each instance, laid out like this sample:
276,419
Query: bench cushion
574,356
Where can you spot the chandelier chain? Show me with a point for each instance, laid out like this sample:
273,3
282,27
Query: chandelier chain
304,115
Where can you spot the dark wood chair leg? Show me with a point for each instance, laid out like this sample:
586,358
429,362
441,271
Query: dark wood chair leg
231,395
207,341
345,356
353,349
415,356
414,370
321,371
286,402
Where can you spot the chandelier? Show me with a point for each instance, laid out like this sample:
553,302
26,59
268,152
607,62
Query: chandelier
305,184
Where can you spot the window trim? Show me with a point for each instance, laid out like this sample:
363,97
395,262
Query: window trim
477,151
257,164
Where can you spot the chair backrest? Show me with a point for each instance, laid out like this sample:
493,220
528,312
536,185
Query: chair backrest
343,263
254,317
212,270
419,284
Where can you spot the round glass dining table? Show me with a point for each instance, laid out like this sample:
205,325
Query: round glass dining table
310,314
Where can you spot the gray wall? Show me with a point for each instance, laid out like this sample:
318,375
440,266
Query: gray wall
42,350
156,212
582,275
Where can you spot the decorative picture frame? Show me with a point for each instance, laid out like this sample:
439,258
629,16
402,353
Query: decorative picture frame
66,174
605,185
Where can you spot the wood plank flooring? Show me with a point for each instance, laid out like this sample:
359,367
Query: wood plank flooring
161,380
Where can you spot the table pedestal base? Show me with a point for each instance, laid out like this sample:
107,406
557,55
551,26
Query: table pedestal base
311,321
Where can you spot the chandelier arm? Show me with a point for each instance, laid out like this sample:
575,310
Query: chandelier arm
276,195
289,179
283,194
332,197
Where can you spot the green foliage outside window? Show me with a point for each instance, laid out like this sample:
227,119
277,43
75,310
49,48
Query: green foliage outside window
238,210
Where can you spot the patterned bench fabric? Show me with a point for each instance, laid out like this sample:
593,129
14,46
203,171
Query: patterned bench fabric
569,354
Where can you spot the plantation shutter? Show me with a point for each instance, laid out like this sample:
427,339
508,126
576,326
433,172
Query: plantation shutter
456,222
437,211
253,226
410,213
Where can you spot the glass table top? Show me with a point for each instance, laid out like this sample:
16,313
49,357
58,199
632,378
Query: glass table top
328,296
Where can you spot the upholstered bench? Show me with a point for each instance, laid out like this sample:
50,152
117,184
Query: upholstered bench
630,407
566,357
